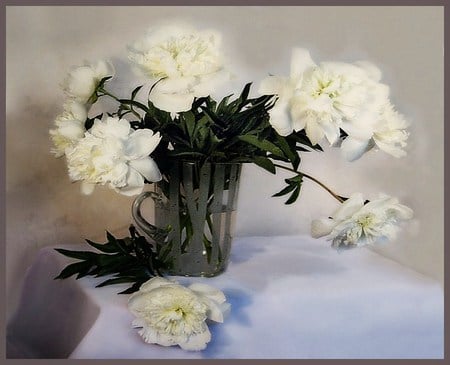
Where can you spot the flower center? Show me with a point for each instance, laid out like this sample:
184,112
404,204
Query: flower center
366,220
322,83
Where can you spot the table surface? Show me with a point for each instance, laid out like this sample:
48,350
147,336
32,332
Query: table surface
291,297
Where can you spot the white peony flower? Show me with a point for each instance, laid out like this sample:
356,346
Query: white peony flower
111,152
358,224
390,134
324,98
188,61
170,314
69,128
82,81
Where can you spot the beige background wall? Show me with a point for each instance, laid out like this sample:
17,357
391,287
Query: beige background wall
44,208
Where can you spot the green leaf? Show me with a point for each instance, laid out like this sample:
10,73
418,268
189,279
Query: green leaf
129,259
111,260
244,95
286,190
265,163
84,271
81,255
223,103
286,148
103,247
134,103
111,239
294,195
135,91
135,287
189,120
187,153
73,269
210,103
296,179
118,243
121,280
212,116
264,145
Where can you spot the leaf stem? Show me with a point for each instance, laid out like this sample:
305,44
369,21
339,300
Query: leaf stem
104,92
333,194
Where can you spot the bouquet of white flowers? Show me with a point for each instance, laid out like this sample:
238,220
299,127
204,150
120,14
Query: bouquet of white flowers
179,137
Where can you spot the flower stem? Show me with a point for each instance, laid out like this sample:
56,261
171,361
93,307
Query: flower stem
333,194
104,92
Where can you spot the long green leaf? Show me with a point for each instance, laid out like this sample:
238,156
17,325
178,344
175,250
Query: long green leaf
264,145
265,163
81,255
135,91
286,190
73,269
290,153
134,103
294,195
121,280
103,247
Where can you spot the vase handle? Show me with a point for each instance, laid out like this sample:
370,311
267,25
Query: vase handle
145,226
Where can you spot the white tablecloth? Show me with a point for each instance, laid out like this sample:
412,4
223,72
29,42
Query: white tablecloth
291,297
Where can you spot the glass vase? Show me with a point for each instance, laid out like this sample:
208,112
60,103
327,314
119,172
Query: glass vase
197,203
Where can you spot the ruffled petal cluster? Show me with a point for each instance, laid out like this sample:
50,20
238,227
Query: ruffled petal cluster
82,81
169,314
359,223
332,97
111,152
80,86
69,127
188,63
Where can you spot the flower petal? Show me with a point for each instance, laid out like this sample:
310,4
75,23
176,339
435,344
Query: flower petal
272,85
155,283
173,103
147,167
402,212
103,68
151,335
111,127
392,149
331,131
135,184
71,129
87,188
137,303
207,84
80,84
174,85
353,148
362,128
280,118
314,132
349,207
76,110
321,227
300,62
198,341
371,70
141,143
208,291
214,299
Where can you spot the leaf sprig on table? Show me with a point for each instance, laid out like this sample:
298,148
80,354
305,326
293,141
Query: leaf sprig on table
131,259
